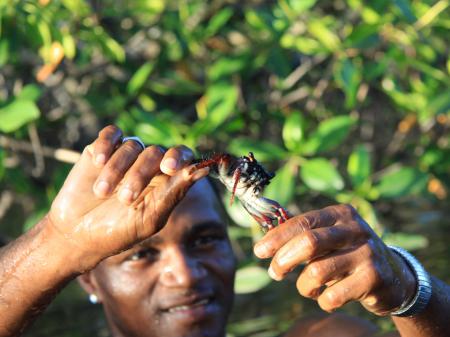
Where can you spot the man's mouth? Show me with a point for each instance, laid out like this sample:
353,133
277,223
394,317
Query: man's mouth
186,307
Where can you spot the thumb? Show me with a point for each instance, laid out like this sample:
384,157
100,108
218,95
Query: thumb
160,201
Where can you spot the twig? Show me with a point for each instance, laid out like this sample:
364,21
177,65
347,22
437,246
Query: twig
37,151
301,70
6,200
63,155
294,96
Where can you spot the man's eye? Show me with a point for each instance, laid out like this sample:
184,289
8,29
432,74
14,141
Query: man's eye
206,240
149,254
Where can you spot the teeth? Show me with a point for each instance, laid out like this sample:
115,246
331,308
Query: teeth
190,306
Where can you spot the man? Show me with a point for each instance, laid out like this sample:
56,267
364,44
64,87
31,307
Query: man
162,265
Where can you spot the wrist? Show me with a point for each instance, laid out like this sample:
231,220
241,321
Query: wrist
413,305
66,250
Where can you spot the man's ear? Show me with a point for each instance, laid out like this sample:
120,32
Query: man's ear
88,282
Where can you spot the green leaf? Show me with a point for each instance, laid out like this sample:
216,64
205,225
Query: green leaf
218,21
4,51
263,151
358,166
16,114
324,35
227,66
402,181
320,175
330,134
69,45
140,76
250,279
293,131
214,108
301,6
282,186
406,240
405,8
348,77
30,92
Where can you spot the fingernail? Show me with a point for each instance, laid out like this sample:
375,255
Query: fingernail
100,159
169,164
126,195
102,187
273,275
260,250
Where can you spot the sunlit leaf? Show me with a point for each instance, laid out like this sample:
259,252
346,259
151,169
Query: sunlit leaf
16,114
218,21
330,134
320,175
322,33
250,279
30,92
358,166
293,131
139,78
301,6
401,181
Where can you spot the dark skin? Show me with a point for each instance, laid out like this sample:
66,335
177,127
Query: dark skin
98,227
178,282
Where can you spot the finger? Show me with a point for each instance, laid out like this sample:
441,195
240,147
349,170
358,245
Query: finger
141,172
355,287
277,237
160,200
103,147
116,167
175,159
314,243
330,268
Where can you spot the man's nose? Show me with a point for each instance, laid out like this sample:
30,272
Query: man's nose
178,269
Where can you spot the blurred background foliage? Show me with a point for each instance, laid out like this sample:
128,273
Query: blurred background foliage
348,101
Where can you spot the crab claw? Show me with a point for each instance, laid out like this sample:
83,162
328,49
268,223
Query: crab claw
268,213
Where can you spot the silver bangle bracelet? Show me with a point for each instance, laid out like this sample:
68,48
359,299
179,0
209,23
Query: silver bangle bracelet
424,289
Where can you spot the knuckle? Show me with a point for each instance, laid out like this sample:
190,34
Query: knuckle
348,210
311,242
315,270
153,151
330,300
304,222
373,277
133,179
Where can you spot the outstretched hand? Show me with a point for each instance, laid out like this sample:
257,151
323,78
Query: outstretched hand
119,194
345,260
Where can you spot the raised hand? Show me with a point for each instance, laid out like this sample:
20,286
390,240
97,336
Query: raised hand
344,260
119,194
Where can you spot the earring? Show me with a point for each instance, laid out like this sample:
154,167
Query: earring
93,298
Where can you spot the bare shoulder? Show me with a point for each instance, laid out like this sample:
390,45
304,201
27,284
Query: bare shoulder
334,325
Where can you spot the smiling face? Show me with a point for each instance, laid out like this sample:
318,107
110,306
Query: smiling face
177,283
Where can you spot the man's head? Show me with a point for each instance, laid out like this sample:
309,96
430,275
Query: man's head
177,283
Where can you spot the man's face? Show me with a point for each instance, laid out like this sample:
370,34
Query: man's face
178,282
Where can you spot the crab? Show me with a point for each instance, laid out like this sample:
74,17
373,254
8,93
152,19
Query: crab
245,178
